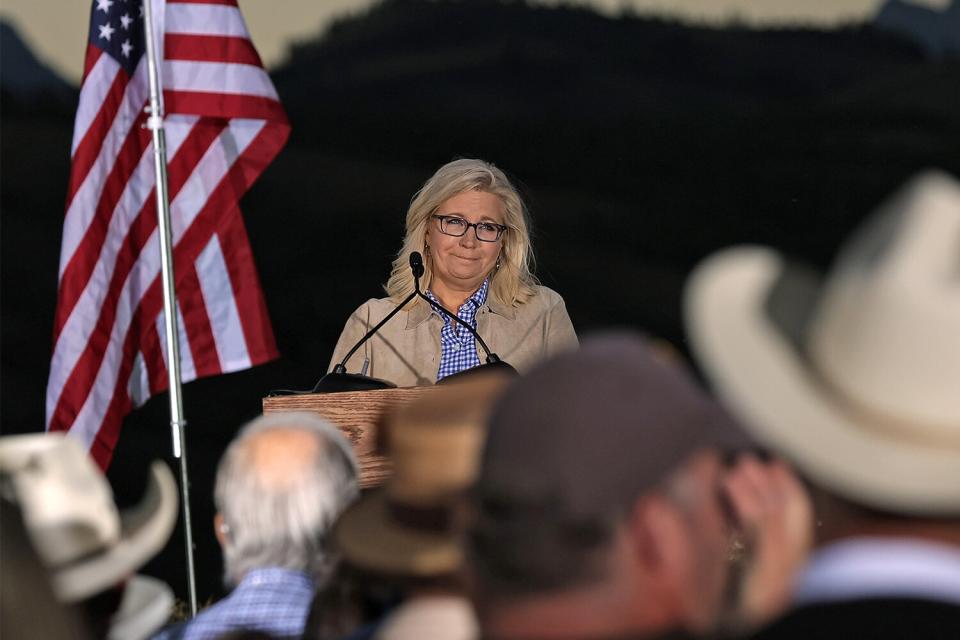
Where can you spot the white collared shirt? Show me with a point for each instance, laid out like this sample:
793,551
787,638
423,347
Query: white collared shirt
877,567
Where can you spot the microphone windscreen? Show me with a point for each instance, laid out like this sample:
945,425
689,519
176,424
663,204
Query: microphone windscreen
416,264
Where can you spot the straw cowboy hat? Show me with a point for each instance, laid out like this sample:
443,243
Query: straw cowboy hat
855,377
410,526
69,512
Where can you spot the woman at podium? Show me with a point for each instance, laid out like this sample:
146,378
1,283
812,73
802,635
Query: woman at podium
471,227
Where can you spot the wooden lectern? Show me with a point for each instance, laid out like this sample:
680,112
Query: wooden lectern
359,414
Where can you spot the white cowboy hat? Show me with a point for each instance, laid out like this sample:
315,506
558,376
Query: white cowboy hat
855,379
69,512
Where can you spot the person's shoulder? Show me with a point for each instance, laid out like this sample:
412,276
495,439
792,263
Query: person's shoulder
545,297
543,300
375,307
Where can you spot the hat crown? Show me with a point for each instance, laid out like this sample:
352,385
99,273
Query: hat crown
591,430
412,526
886,332
66,502
431,461
435,443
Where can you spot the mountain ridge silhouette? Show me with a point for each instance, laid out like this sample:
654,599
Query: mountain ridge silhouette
26,84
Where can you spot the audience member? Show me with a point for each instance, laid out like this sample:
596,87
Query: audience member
599,502
28,606
89,549
280,486
856,380
408,534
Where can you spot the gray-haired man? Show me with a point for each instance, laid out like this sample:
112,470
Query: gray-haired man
280,486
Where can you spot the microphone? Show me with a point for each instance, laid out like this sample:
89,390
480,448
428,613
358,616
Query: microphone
416,266
493,360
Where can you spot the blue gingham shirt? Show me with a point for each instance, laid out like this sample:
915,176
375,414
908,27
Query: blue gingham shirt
273,600
458,349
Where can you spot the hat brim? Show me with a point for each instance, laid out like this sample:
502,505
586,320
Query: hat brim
369,539
144,530
757,370
146,606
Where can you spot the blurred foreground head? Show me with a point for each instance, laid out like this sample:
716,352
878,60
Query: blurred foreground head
90,549
405,539
411,527
281,485
855,376
598,507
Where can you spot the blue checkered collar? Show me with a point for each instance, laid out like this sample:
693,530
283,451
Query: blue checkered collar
477,299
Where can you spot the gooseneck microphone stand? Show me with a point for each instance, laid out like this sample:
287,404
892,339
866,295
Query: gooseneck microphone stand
338,379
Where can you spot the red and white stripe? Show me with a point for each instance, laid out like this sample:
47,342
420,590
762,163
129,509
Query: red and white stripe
224,125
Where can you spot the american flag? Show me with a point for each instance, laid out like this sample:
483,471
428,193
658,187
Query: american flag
224,125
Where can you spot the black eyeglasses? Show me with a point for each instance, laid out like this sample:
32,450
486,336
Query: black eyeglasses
457,226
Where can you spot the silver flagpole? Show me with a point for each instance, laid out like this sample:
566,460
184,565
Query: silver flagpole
177,421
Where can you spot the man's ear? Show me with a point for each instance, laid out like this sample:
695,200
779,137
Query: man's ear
220,529
658,535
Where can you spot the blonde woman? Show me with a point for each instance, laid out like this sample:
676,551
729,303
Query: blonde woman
470,224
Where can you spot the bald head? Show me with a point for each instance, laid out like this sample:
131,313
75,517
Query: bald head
280,486
280,456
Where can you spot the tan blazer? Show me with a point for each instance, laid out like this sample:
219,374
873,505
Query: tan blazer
406,351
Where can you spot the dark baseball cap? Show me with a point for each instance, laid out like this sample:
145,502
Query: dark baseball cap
593,429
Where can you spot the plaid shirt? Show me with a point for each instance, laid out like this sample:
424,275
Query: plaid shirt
458,349
273,600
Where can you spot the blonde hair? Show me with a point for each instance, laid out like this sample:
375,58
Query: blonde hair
513,282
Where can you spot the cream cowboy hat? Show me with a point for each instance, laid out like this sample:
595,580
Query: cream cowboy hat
69,512
855,378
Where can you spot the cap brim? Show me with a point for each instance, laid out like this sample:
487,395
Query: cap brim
145,529
759,373
369,539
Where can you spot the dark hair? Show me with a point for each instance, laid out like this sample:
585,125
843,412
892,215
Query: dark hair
350,600
524,546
